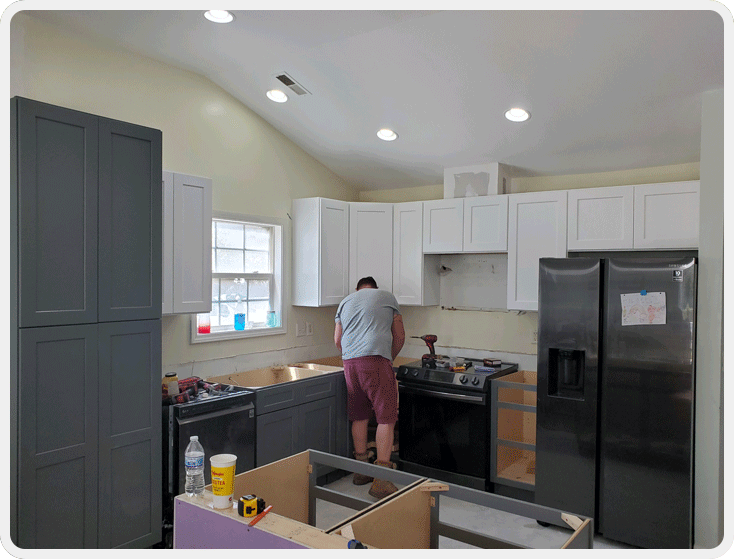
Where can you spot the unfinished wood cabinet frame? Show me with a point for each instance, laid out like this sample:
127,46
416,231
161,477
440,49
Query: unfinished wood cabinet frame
512,459
290,485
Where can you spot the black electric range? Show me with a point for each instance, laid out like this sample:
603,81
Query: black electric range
470,380
445,421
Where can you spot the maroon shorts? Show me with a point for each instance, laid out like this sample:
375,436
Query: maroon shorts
371,386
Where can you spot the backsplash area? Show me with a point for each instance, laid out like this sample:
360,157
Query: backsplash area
413,349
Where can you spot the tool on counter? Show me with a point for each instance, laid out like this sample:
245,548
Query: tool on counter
250,505
260,516
430,339
429,359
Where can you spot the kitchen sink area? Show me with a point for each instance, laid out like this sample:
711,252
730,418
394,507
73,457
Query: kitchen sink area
298,406
269,376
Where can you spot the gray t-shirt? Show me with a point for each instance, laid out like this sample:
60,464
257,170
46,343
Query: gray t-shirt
366,317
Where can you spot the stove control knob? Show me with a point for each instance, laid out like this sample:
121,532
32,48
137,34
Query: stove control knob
475,381
463,379
415,373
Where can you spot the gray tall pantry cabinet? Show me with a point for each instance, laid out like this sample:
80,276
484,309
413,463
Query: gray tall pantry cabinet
86,207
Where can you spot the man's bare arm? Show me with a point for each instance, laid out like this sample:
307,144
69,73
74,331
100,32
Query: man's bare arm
398,335
338,335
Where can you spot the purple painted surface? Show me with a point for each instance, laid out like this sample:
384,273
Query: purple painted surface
200,528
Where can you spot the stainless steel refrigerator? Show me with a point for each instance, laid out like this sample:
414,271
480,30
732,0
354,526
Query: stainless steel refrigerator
616,356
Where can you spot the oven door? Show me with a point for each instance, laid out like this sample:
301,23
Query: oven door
224,431
444,430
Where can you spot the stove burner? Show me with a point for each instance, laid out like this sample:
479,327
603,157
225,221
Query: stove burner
474,378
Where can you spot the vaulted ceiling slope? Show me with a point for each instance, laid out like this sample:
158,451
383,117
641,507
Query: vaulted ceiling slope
606,90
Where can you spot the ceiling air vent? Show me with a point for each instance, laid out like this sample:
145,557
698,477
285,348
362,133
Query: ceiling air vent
292,84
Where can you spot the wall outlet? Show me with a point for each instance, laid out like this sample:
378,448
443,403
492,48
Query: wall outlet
300,329
535,337
309,329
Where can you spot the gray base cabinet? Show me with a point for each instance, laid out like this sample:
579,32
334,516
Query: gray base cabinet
58,458
305,417
277,435
88,399
130,446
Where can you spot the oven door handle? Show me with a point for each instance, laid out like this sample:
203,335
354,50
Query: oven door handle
443,395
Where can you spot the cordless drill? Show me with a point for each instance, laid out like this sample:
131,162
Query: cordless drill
429,359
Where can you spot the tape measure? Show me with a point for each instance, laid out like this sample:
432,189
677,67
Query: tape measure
250,505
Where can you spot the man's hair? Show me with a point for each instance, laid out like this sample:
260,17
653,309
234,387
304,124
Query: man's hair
369,281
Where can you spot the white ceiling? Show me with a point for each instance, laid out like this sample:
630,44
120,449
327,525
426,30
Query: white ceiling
607,90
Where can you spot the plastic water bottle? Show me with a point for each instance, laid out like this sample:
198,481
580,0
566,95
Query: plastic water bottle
194,459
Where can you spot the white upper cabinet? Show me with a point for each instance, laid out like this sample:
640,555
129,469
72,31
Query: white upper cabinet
537,229
320,251
601,218
371,243
415,275
666,215
485,224
443,225
187,244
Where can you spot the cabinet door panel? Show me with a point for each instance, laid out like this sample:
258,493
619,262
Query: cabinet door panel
443,225
129,433
415,277
130,224
370,243
277,435
57,196
667,215
192,249
601,218
334,251
318,425
537,228
57,426
316,388
485,224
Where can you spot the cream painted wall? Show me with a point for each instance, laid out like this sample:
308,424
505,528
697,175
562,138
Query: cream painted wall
206,132
397,195
709,405
670,173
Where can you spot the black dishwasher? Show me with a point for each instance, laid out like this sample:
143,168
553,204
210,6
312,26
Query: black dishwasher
224,421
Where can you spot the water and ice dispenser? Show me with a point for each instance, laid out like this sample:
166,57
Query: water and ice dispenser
566,373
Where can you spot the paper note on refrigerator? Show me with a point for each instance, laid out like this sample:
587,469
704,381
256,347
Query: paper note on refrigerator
643,309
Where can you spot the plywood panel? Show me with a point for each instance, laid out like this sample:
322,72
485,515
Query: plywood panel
515,425
283,484
516,464
401,523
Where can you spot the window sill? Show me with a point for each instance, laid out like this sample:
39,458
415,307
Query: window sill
197,338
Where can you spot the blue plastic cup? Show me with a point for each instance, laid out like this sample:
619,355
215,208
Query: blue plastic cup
239,321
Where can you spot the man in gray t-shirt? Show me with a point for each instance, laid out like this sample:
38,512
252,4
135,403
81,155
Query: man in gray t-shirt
369,332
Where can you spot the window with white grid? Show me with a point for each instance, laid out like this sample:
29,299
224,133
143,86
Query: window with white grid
246,280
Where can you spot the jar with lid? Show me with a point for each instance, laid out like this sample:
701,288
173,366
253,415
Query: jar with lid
170,384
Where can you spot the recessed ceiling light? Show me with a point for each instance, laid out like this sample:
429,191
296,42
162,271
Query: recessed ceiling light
277,95
219,16
517,115
386,134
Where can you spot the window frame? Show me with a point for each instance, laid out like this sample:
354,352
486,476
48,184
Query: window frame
278,287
